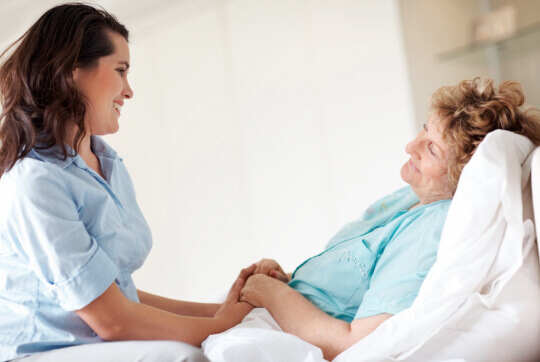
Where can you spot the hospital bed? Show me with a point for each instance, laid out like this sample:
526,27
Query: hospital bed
481,299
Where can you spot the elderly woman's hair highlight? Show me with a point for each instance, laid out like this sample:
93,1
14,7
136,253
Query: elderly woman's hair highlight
468,111
41,104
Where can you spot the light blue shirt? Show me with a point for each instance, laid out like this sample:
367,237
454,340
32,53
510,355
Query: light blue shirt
66,235
376,264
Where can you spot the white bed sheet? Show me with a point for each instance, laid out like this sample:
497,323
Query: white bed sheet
480,301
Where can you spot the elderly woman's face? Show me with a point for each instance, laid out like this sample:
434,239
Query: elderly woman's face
426,170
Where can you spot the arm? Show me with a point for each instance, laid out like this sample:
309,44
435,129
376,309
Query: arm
264,266
296,315
113,317
179,307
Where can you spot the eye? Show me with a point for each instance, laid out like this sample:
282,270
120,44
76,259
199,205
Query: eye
430,148
425,127
122,71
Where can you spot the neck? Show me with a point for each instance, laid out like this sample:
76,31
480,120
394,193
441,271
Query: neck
433,198
415,205
91,160
85,150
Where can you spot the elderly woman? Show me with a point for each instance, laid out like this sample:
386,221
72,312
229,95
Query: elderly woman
373,268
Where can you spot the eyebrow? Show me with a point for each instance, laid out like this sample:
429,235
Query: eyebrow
125,63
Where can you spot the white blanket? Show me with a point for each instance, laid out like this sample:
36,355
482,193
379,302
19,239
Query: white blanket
480,301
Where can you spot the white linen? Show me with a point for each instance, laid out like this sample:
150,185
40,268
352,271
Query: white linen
479,302
259,338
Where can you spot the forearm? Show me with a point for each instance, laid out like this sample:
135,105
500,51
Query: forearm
142,322
177,306
296,315
114,317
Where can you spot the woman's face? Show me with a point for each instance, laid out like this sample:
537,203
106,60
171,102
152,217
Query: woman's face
105,87
426,170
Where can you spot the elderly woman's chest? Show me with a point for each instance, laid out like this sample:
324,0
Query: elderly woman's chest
344,270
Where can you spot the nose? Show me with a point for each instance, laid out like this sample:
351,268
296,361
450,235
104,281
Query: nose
127,92
412,146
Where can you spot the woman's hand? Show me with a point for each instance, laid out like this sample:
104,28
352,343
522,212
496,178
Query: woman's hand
232,311
271,268
258,287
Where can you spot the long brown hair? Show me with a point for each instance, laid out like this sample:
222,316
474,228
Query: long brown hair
41,104
471,109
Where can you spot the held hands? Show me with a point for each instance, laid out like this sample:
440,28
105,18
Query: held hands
266,279
271,268
252,284
259,289
233,310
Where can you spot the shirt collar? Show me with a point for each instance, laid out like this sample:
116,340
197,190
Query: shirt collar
100,148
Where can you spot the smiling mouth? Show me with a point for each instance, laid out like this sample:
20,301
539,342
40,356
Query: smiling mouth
117,106
411,165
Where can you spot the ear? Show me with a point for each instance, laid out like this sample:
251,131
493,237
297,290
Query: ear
76,74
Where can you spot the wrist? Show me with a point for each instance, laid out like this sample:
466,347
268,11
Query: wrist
279,291
222,323
212,309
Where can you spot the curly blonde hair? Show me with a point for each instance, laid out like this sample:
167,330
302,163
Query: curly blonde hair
470,110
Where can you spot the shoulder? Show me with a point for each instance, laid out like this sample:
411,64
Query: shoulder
29,183
31,178
29,170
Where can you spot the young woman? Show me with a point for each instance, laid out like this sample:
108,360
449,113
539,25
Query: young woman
71,232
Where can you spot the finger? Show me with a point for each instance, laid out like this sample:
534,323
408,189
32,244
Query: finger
258,266
243,297
246,272
279,276
266,268
249,303
234,294
247,307
270,264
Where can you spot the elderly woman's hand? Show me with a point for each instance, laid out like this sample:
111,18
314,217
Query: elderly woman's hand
258,287
271,268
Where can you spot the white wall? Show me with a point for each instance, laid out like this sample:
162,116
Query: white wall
257,129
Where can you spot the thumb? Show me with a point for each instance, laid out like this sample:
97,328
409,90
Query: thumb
239,283
234,295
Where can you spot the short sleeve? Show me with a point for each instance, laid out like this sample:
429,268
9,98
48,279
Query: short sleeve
42,221
403,265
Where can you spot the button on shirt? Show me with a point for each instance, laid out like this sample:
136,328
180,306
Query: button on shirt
376,264
66,234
